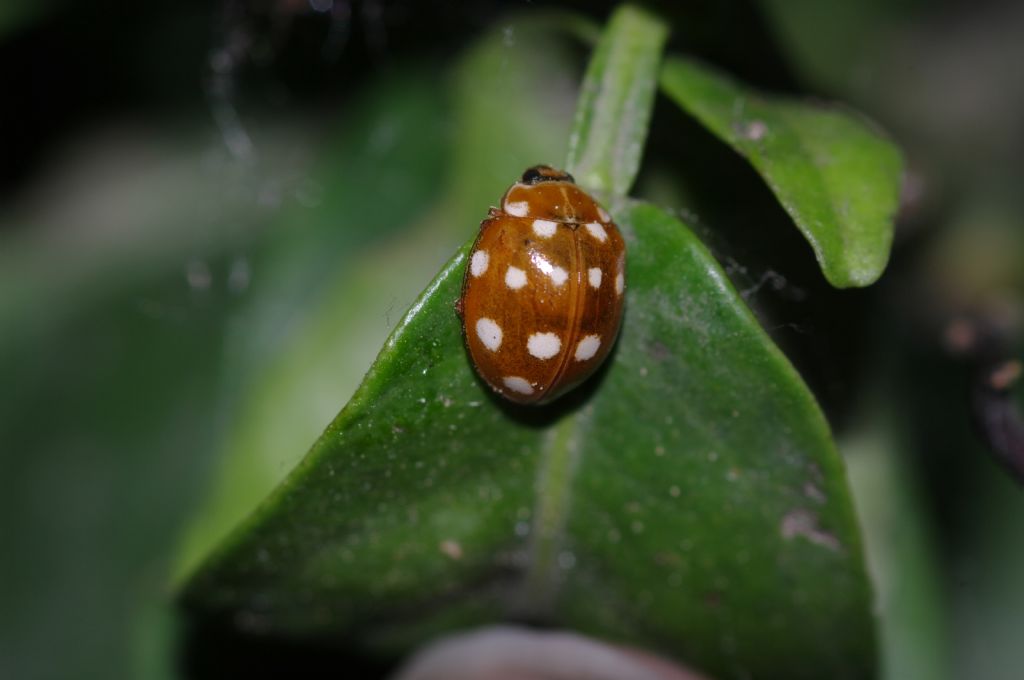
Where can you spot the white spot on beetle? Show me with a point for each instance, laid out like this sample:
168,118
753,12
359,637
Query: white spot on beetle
587,347
603,214
620,283
517,384
594,276
557,274
543,345
597,231
544,228
517,208
478,265
515,278
489,333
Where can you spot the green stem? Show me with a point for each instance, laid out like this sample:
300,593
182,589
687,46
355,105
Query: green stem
616,101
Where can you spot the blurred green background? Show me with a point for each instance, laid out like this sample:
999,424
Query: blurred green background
213,213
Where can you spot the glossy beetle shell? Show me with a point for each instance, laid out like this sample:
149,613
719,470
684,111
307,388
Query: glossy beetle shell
544,287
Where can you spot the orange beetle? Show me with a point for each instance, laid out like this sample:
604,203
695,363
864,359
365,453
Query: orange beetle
542,296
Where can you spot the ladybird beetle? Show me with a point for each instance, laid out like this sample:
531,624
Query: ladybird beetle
542,296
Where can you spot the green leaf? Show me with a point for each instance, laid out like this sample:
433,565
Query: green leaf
835,174
913,620
688,499
615,104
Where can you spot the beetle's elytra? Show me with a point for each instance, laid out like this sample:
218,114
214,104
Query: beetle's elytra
542,296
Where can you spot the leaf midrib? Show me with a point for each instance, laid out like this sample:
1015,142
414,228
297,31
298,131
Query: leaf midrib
559,460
